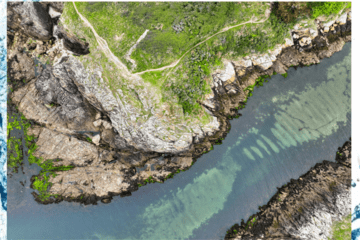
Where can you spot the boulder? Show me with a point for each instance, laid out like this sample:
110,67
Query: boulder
279,67
263,62
53,13
227,76
32,18
106,125
342,19
21,67
97,123
96,139
305,41
71,42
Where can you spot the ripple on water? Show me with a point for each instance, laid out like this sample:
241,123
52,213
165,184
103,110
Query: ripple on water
264,149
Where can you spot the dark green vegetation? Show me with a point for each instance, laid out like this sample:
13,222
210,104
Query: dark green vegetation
326,8
289,12
259,82
16,155
14,145
150,179
41,182
194,75
195,70
342,229
174,26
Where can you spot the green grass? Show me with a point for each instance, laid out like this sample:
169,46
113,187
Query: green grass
14,152
326,8
192,77
154,78
292,12
284,75
258,82
127,21
342,229
184,86
191,80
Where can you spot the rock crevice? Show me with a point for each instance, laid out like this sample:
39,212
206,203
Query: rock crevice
72,105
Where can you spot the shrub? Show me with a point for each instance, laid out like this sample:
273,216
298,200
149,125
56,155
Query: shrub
288,12
325,8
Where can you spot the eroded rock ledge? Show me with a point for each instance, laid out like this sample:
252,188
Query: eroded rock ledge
304,208
66,110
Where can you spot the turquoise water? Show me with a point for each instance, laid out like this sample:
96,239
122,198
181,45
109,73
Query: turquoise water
264,149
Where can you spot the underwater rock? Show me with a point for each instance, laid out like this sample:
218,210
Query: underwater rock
304,208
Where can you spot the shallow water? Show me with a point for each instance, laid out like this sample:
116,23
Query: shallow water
264,150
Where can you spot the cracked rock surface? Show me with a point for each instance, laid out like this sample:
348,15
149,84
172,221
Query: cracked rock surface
67,107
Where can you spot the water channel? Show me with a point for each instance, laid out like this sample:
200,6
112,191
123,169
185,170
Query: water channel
288,126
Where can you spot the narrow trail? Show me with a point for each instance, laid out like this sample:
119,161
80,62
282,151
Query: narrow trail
104,46
221,31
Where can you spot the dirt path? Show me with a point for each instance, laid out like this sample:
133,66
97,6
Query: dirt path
104,46
221,31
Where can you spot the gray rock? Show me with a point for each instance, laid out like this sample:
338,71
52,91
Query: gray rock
263,62
69,114
53,13
279,67
32,18
342,19
21,67
97,123
305,41
106,125
96,139
53,145
55,86
71,42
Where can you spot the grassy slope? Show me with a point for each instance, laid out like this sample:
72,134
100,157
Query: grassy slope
189,81
342,229
96,58
163,45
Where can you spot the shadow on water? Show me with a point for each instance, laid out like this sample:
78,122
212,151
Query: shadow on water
287,127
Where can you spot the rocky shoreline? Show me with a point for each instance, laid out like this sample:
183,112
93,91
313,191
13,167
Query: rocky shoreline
304,208
57,101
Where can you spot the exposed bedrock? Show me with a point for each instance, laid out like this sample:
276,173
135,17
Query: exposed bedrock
304,208
30,17
228,84
71,42
70,105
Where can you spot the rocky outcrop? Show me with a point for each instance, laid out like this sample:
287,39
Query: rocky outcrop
30,17
71,42
305,49
72,104
304,208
